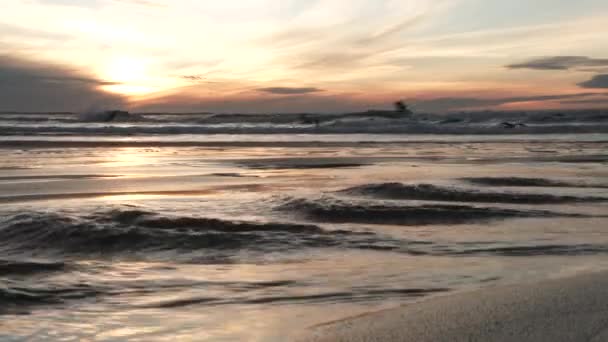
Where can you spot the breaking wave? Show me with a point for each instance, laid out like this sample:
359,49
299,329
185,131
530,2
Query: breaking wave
429,192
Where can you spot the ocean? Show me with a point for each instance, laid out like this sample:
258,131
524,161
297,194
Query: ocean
256,227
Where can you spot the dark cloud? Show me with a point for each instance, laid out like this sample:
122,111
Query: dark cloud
289,91
445,104
561,63
193,78
597,82
30,86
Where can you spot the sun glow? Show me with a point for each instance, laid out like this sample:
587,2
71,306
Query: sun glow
125,69
129,89
128,76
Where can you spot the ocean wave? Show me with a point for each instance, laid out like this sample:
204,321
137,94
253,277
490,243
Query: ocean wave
197,224
17,298
374,121
338,211
306,163
529,117
429,192
530,182
358,127
22,295
22,298
535,250
24,267
47,177
32,243
360,295
132,233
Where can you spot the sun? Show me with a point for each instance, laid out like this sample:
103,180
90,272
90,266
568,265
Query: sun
125,69
128,76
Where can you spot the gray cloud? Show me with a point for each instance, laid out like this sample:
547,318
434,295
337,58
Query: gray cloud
30,86
597,82
193,78
561,63
289,91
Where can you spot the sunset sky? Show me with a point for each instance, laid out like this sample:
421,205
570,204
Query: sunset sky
302,55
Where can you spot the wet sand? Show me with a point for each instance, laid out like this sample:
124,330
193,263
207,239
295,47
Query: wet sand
568,309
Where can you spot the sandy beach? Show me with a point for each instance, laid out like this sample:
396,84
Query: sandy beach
568,309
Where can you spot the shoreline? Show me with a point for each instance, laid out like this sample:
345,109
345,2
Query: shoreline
574,308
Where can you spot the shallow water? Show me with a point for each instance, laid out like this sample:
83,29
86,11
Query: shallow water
255,242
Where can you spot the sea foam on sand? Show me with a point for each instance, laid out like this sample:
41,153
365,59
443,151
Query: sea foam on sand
569,309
